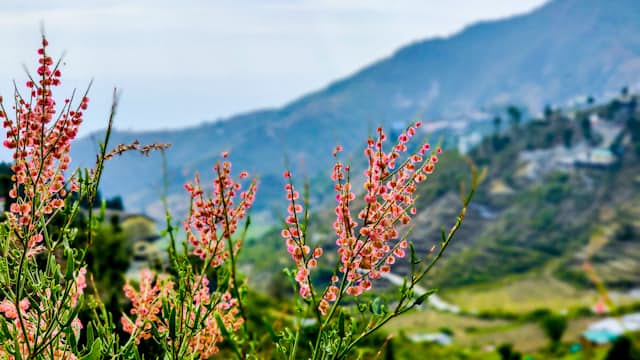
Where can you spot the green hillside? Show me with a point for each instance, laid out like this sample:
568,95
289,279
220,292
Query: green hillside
544,201
558,189
544,209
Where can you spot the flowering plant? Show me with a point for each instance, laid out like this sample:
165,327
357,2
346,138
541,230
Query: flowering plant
197,306
43,275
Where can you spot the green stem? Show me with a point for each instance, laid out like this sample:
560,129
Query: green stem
227,234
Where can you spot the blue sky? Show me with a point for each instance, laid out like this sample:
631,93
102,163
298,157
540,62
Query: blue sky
180,63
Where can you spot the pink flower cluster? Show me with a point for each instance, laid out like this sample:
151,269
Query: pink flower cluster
205,342
212,220
148,311
146,304
369,245
297,247
36,322
40,138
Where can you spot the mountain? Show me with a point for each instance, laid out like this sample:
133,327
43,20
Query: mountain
560,191
563,48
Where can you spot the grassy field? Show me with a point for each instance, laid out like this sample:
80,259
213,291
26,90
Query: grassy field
516,295
531,291
522,294
469,331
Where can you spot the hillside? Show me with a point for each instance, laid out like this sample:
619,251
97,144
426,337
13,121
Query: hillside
561,190
564,48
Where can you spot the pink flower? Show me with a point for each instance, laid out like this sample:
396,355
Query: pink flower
297,247
337,150
213,219
148,311
40,137
369,244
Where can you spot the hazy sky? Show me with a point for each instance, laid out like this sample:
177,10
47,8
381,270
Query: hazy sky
183,62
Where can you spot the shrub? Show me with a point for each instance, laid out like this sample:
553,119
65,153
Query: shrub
554,327
622,349
506,352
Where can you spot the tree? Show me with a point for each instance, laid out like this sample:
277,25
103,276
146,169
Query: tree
624,92
585,124
548,111
506,352
554,327
497,124
626,232
108,259
515,115
567,137
496,140
633,126
622,349
115,203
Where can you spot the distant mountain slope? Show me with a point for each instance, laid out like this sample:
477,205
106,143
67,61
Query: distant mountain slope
560,190
564,48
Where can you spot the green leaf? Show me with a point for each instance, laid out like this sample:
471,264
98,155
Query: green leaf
269,327
362,307
71,338
165,307
225,334
69,275
378,307
409,293
155,333
96,350
341,325
196,321
5,329
90,336
181,289
17,347
4,269
424,296
223,280
172,324
223,329
73,314
414,258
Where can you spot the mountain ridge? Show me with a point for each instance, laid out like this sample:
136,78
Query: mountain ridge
548,56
